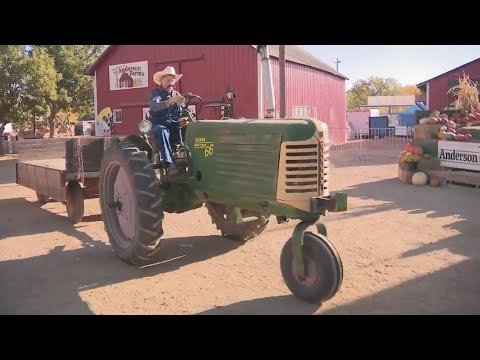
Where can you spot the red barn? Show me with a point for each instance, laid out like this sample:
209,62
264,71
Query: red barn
436,89
124,78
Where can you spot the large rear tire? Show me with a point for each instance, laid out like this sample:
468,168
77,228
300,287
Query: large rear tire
237,232
131,203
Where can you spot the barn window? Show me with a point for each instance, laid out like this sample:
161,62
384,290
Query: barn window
296,112
117,116
146,113
300,112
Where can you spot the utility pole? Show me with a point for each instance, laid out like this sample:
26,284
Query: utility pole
281,53
337,62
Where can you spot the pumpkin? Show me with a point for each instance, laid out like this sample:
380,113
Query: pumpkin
451,124
443,128
418,150
432,120
434,182
410,148
459,137
419,178
450,136
442,134
423,121
468,137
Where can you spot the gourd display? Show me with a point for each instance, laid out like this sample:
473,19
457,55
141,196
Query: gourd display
419,178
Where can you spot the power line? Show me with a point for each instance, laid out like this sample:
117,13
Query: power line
337,62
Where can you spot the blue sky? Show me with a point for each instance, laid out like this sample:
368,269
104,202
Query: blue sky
409,64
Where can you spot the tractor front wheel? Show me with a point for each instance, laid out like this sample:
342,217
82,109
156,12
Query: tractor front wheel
323,269
131,203
240,232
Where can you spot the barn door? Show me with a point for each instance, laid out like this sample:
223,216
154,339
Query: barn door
176,65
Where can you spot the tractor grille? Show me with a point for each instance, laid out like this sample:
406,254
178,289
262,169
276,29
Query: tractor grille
303,170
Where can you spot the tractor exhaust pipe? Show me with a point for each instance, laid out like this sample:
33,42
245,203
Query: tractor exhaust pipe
267,71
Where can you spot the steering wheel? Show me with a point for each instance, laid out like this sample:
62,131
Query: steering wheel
189,98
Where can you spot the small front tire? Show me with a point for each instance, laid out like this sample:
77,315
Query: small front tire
323,269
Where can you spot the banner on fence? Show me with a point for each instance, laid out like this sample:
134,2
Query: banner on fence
460,155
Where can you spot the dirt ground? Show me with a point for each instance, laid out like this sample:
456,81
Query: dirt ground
405,250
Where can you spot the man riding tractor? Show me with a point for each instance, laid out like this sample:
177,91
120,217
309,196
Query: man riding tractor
165,112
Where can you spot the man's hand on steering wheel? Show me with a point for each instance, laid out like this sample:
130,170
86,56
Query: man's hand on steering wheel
177,99
183,121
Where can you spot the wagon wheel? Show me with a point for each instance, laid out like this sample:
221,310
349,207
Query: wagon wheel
241,232
75,206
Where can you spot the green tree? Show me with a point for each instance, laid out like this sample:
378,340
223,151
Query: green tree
373,86
74,89
13,64
41,78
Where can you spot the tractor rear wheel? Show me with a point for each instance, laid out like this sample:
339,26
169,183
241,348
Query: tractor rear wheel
131,203
241,232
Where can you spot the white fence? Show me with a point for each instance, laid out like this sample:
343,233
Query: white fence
369,144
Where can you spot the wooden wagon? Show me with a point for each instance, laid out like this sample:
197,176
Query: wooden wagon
61,169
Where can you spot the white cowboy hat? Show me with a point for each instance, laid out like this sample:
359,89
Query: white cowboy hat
169,70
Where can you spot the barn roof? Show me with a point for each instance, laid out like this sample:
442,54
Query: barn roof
293,53
299,55
422,84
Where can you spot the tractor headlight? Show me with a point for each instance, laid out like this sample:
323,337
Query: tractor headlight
145,126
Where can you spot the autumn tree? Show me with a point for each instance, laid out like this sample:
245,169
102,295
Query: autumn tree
376,86
409,90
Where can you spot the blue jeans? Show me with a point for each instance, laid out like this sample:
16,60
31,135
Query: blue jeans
162,140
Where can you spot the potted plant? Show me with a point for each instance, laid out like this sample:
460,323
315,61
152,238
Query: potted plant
410,161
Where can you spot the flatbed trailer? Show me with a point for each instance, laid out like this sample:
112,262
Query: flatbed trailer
65,170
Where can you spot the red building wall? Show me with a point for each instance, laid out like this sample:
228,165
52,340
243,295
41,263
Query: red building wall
315,89
438,98
207,71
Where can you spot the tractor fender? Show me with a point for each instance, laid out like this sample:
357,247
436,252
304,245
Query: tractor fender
140,143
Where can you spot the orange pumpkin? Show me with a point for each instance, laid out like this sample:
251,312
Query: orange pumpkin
410,148
435,182
418,150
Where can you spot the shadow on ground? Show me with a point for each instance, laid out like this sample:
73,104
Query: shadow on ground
275,305
454,290
50,283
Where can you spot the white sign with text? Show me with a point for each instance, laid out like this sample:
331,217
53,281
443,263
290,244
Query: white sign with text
461,155
128,76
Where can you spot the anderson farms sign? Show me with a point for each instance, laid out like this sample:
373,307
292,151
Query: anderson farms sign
462,155
128,76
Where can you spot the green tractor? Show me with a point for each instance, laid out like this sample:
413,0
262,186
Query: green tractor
244,172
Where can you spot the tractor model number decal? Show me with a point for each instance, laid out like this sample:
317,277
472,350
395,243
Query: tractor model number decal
202,143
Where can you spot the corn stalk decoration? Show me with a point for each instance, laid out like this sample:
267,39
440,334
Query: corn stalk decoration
466,94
